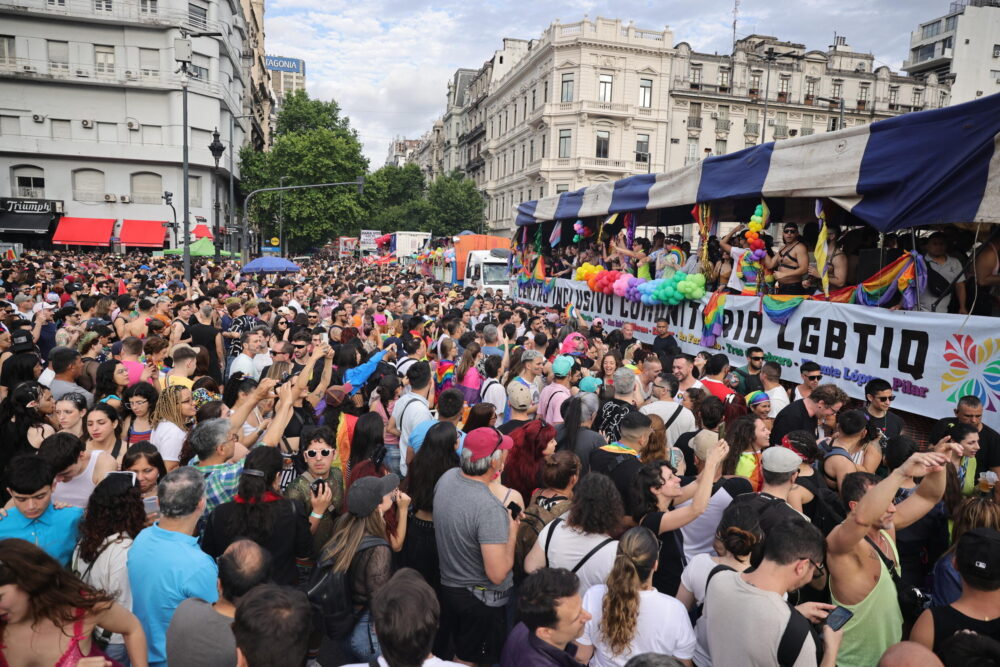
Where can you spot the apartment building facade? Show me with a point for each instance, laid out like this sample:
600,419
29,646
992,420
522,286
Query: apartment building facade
91,115
600,100
961,48
288,75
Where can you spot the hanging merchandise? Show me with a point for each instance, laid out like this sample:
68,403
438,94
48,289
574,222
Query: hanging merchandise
713,316
702,214
822,261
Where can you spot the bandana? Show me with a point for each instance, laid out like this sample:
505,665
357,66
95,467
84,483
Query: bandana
269,497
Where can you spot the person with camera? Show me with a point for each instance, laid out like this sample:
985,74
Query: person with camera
319,491
861,550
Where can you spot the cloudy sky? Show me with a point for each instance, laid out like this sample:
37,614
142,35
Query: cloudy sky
388,62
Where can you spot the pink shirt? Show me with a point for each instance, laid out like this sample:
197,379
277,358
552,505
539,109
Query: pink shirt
135,369
550,401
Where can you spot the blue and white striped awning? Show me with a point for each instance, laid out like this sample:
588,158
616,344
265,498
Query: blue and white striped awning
930,167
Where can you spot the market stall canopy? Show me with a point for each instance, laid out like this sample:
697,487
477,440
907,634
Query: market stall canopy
84,231
203,247
270,265
142,233
930,167
202,232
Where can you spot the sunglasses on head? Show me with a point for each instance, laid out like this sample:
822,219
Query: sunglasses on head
313,453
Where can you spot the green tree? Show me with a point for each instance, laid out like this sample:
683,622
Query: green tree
455,205
392,185
313,144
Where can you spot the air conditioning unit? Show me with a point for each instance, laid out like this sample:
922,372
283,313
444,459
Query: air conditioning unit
87,123
131,76
770,122
38,118
715,116
29,68
110,197
82,73
125,199
58,205
133,125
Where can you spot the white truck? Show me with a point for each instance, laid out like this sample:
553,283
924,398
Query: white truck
408,243
487,268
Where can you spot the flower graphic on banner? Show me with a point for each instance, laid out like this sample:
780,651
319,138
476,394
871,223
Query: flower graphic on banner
974,370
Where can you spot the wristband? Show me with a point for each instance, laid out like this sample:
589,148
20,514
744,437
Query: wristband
315,516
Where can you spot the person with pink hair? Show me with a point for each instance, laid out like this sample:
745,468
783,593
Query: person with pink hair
574,344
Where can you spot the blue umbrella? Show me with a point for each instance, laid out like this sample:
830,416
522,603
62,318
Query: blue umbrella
270,265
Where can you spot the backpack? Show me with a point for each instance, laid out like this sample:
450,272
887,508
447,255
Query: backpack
532,520
828,511
330,595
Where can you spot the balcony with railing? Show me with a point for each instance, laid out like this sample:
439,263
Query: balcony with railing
806,131
780,131
722,124
605,108
694,122
751,128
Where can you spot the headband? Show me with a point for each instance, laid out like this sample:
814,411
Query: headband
787,444
253,473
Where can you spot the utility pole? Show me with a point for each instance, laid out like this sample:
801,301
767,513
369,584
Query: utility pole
770,57
281,219
232,150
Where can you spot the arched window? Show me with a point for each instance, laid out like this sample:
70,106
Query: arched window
27,181
147,188
88,185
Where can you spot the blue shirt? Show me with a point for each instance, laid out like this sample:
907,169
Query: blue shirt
419,432
164,569
491,351
55,531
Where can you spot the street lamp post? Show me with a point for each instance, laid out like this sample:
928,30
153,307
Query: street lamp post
232,150
246,204
281,219
217,150
183,55
839,101
770,57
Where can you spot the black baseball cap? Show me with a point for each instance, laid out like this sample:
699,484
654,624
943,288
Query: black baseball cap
978,553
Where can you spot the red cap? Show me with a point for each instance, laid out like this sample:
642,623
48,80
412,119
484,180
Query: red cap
483,441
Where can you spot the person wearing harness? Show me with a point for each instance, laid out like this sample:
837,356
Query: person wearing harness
581,542
791,263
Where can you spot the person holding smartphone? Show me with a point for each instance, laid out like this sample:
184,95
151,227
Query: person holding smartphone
320,489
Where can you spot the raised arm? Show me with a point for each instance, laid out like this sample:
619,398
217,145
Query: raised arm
724,241
702,495
244,406
928,492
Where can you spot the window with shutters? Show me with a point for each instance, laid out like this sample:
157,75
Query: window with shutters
147,188
199,67
725,76
198,15
102,6
720,147
152,134
60,129
149,63
194,191
104,60
28,182
58,56
863,92
149,7
8,56
88,185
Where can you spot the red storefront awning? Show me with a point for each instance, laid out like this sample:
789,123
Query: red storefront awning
84,231
201,231
142,233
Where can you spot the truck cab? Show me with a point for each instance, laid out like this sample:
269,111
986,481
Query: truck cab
487,268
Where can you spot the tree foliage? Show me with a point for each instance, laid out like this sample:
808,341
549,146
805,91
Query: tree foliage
455,205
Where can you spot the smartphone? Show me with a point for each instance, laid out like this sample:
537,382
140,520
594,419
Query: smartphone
838,617
129,473
515,509
317,486
151,505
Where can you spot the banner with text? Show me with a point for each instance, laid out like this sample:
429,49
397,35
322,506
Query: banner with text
930,359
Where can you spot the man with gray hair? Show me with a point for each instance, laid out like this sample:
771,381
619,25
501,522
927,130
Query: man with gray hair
476,536
532,368
199,632
165,564
491,340
623,403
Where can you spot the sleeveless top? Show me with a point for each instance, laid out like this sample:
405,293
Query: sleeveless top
877,623
134,436
73,653
76,492
948,621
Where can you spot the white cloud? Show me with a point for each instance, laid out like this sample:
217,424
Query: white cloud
388,62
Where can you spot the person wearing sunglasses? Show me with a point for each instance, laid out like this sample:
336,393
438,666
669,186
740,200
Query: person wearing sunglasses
791,263
811,377
749,375
880,396
320,489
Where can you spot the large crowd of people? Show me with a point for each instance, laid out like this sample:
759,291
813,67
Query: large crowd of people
357,464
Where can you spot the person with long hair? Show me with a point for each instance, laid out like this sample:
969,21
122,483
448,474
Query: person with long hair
113,518
656,447
560,473
610,362
738,537
207,336
748,437
523,468
24,367
112,380
49,614
467,377
23,421
174,410
628,615
90,348
259,513
961,465
444,367
360,548
575,434
366,459
436,456
481,414
70,412
384,400
104,432
585,540
980,511
855,448
145,461
139,403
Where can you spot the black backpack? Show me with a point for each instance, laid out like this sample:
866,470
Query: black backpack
330,596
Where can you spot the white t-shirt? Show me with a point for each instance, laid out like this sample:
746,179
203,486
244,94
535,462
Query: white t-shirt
432,661
683,423
680,394
779,400
168,438
569,546
662,627
244,363
109,572
734,280
949,270
496,395
694,578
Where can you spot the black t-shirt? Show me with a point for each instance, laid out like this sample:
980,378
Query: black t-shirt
989,443
889,426
683,443
667,577
793,417
511,425
772,510
622,468
666,349
609,417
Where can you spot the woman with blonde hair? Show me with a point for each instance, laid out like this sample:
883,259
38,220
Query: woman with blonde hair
630,617
980,511
174,410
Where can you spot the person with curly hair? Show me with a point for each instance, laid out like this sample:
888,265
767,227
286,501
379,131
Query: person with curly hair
532,443
23,422
114,517
112,380
49,614
629,616
585,541
174,409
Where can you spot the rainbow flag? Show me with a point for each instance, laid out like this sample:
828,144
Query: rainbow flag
10,254
713,315
445,376
779,307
